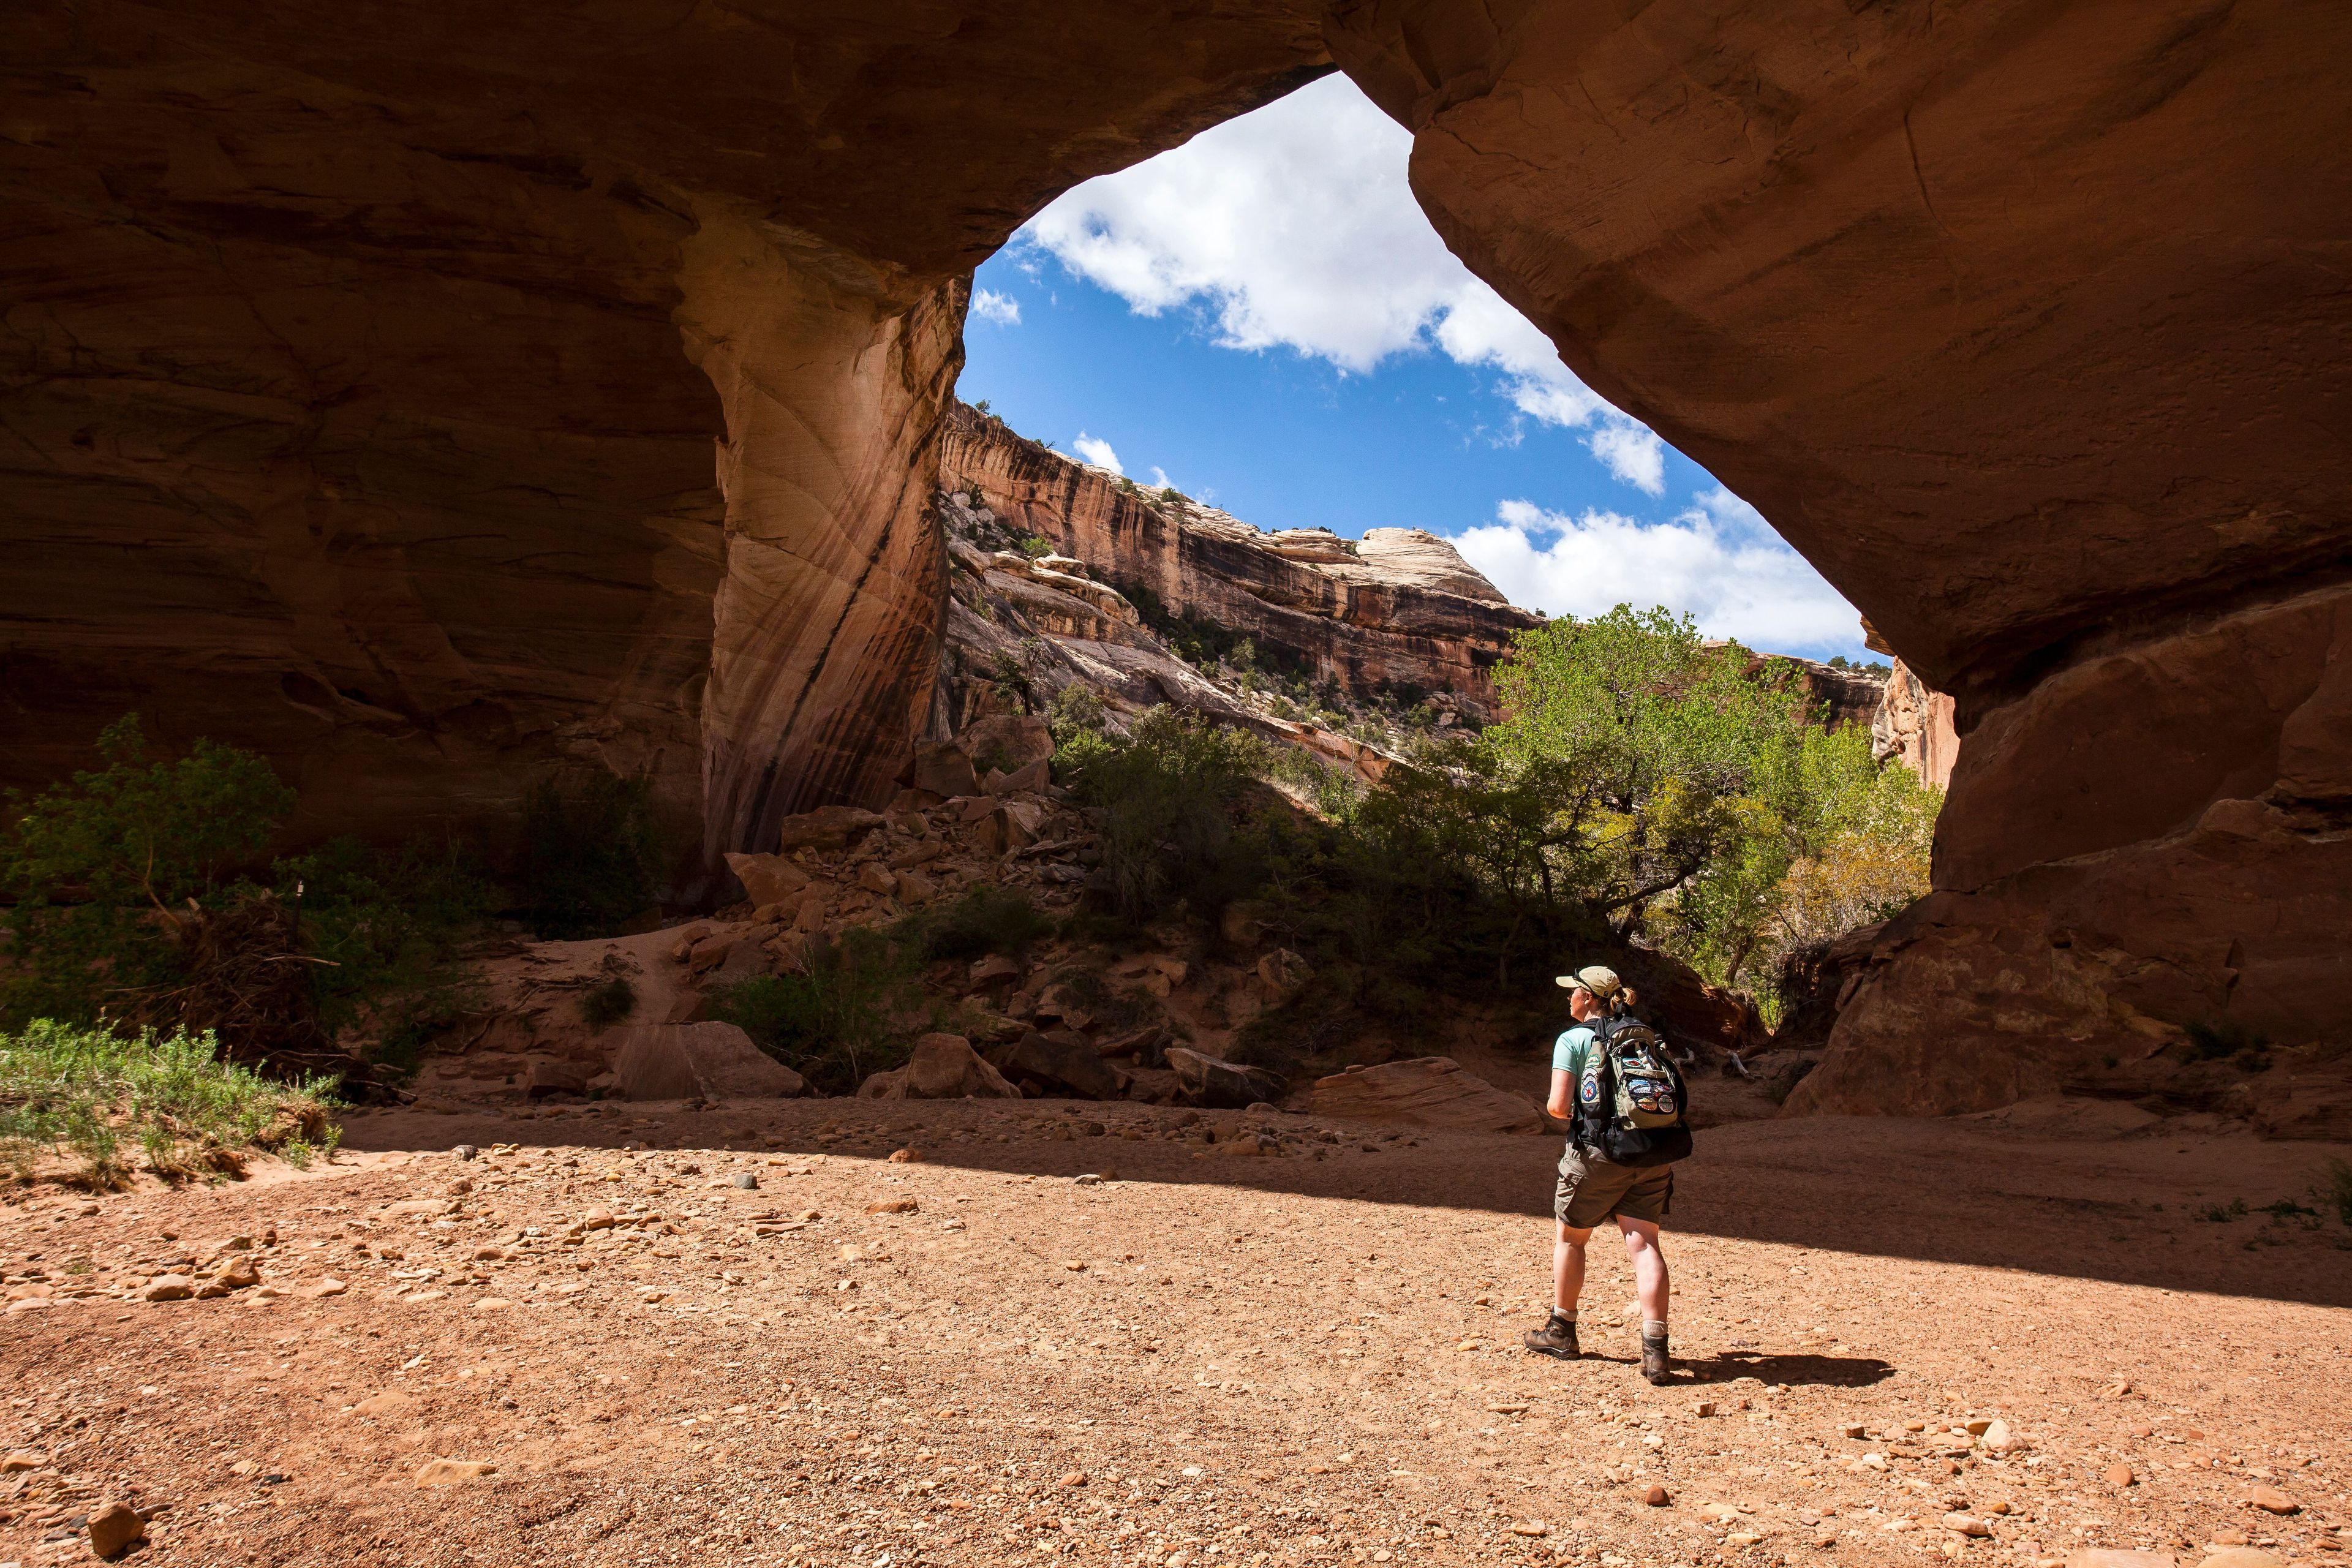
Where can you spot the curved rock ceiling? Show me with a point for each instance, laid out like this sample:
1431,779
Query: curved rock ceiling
435,396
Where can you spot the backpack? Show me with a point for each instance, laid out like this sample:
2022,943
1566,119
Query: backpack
1632,1103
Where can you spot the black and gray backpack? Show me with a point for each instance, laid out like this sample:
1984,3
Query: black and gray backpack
1631,1107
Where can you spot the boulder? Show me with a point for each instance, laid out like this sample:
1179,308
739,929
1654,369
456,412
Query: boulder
1212,1081
1026,780
1282,974
546,1077
1062,1062
827,827
1008,742
941,768
712,1060
114,1529
1013,825
768,879
943,1066
1426,1091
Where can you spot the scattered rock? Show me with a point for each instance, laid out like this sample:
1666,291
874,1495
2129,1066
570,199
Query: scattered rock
1282,974
941,768
2120,1475
1074,1479
894,1206
2270,1499
768,878
115,1529
453,1472
1215,1082
1006,741
325,1288
942,1067
168,1287
910,1155
465,1151
2109,1557
1966,1523
1531,1527
745,1181
597,1219
1656,1497
546,1077
707,1061
1060,1062
827,827
876,878
2242,1557
1425,1091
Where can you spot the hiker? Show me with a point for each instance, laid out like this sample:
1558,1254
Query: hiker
1585,1080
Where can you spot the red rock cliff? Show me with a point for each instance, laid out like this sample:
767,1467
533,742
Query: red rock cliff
1401,607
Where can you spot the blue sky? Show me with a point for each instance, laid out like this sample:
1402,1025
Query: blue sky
1263,318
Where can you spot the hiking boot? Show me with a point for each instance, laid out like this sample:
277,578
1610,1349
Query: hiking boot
1555,1338
1654,1365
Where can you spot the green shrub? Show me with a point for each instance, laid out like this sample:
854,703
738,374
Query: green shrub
2217,1039
392,926
984,920
1034,547
835,1023
607,1003
87,1092
101,870
1169,789
2337,1193
591,856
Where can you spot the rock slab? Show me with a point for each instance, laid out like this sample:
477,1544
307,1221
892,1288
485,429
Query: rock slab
710,1060
1426,1091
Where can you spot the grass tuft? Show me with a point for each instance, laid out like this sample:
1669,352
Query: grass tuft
609,1002
73,1091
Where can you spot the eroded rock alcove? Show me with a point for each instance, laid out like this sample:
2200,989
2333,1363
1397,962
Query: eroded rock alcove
432,397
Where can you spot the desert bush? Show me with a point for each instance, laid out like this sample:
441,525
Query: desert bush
607,1003
108,870
837,1022
1169,790
2219,1038
983,920
139,901
592,854
2337,1192
88,1093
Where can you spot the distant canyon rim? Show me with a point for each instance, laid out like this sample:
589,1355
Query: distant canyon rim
430,399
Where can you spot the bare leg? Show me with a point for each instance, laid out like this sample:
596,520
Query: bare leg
1650,1280
1567,1267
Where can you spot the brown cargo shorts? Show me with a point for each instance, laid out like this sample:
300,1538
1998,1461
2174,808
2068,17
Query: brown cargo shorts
1592,1189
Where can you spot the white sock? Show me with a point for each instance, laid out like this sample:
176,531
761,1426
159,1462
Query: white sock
1652,1330
1568,1312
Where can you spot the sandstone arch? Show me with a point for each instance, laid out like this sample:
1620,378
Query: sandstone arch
364,370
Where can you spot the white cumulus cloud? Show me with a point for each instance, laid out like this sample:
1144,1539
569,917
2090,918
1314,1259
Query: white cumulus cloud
1716,559
1294,227
1097,452
991,306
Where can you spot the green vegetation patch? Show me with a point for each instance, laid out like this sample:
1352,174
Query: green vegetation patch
90,1096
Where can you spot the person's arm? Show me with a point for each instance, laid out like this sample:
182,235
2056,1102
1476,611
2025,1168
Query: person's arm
1561,1105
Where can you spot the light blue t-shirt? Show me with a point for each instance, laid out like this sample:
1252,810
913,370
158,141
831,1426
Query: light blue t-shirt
1571,1051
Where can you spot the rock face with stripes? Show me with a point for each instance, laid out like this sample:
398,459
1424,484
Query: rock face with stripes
1398,609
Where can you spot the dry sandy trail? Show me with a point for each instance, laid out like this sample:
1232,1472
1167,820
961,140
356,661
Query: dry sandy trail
1308,1357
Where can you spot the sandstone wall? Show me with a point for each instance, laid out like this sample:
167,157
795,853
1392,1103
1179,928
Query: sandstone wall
1401,609
2024,322
435,398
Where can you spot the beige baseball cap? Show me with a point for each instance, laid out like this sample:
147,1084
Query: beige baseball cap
1597,978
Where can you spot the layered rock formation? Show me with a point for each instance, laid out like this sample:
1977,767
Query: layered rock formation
366,369
2022,323
361,365
1399,609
